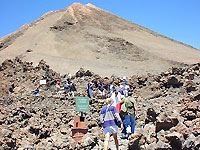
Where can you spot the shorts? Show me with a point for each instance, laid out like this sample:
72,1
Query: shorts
111,130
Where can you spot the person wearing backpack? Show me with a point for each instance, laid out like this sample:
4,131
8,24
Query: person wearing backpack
128,112
108,118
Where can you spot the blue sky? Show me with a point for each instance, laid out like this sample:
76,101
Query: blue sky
177,19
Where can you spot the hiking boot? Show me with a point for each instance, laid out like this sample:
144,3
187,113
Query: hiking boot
124,136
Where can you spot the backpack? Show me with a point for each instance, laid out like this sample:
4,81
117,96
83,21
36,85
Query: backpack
127,106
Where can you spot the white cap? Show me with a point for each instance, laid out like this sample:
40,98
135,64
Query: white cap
124,77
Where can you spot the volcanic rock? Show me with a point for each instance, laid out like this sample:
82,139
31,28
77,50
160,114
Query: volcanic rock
170,121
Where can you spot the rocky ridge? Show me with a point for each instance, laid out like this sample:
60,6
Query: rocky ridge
168,109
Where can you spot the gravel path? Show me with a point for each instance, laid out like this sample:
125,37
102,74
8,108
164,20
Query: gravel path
123,143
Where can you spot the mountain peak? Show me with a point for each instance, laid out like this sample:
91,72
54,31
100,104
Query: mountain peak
76,4
89,37
78,7
90,5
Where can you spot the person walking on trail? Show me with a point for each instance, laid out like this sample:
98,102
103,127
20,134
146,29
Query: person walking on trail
69,78
11,89
67,89
37,90
125,80
128,112
126,89
72,89
111,89
101,89
121,90
116,100
89,89
57,86
108,118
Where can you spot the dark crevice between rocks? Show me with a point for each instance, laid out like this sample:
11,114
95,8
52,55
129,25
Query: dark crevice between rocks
34,131
175,143
11,144
166,125
29,50
94,143
44,135
135,145
197,97
68,23
26,116
151,116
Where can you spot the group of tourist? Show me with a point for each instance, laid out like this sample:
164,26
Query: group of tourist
120,110
69,87
111,90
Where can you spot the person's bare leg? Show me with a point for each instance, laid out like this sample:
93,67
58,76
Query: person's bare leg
106,142
116,141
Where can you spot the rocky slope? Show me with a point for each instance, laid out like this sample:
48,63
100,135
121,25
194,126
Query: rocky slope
168,109
89,37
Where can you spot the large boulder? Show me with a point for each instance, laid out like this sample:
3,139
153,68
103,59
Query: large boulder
165,122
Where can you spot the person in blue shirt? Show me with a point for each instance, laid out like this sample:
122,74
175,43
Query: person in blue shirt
107,118
37,90
121,90
67,89
90,88
126,81
101,89
72,89
111,89
126,89
125,86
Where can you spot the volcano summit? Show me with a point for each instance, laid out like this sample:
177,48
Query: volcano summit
89,37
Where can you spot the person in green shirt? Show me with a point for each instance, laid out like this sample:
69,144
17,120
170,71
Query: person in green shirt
128,112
